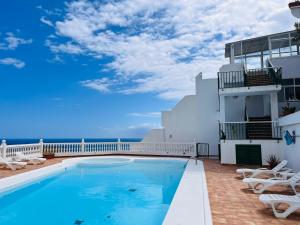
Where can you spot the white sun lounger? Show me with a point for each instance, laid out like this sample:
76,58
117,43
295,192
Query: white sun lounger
260,185
275,200
11,165
30,160
251,173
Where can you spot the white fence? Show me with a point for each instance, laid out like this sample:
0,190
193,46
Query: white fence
99,148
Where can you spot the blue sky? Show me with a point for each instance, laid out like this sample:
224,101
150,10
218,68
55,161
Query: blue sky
107,68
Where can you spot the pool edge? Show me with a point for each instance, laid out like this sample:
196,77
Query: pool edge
191,201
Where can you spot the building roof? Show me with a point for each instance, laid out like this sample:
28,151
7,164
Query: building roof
259,44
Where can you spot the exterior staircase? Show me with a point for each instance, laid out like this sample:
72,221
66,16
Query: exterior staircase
259,130
258,78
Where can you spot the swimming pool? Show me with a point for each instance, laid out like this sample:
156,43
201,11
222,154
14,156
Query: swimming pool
97,191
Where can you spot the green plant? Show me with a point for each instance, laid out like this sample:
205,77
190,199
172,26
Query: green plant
287,110
272,161
223,135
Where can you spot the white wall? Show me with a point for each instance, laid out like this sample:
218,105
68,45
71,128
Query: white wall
155,135
195,117
291,152
234,108
232,67
268,147
180,123
207,114
255,105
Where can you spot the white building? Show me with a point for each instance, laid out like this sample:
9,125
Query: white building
238,113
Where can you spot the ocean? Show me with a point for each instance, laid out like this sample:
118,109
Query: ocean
15,141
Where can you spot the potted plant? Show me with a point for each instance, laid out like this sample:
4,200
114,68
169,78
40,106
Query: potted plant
48,154
287,110
272,161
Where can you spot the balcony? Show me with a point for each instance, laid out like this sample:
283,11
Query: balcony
256,130
250,78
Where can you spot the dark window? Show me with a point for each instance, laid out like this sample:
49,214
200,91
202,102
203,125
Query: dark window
290,90
289,93
297,81
297,90
288,82
281,95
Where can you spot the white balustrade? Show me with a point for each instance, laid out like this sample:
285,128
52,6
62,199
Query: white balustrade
100,148
9,151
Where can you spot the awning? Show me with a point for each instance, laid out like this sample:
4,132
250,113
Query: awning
260,44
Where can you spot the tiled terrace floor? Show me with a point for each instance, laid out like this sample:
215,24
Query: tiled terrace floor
233,203
7,173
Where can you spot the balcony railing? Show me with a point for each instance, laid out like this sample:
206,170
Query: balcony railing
248,78
258,130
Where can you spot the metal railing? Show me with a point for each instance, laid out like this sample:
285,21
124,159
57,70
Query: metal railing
99,148
257,130
251,77
202,150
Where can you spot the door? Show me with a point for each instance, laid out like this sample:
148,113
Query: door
248,154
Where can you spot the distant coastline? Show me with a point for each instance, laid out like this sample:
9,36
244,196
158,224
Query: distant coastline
14,141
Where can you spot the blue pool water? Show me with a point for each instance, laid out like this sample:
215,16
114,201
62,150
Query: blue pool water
129,193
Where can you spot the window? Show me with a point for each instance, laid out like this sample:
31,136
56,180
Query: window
290,90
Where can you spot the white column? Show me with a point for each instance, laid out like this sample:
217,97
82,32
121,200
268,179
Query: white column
270,47
290,44
274,106
3,148
41,146
118,144
222,108
232,54
82,145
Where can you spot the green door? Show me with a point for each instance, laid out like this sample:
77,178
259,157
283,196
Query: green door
248,154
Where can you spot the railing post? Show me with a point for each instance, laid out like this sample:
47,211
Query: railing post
41,146
3,147
82,145
118,145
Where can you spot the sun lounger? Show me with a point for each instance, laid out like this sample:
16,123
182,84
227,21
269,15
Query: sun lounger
251,173
11,165
29,159
260,185
275,200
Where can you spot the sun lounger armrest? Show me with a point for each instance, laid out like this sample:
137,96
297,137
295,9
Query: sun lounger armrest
276,178
286,170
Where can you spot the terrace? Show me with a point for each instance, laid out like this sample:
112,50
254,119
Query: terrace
250,78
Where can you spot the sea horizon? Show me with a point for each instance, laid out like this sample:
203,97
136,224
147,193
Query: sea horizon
14,141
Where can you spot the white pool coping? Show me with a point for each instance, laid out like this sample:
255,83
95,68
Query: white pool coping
189,206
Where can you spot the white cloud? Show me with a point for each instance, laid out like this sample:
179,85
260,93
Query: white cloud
146,114
12,61
102,85
11,42
160,46
47,22
69,48
146,126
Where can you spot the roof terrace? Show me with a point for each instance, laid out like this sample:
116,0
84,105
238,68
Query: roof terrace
269,46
